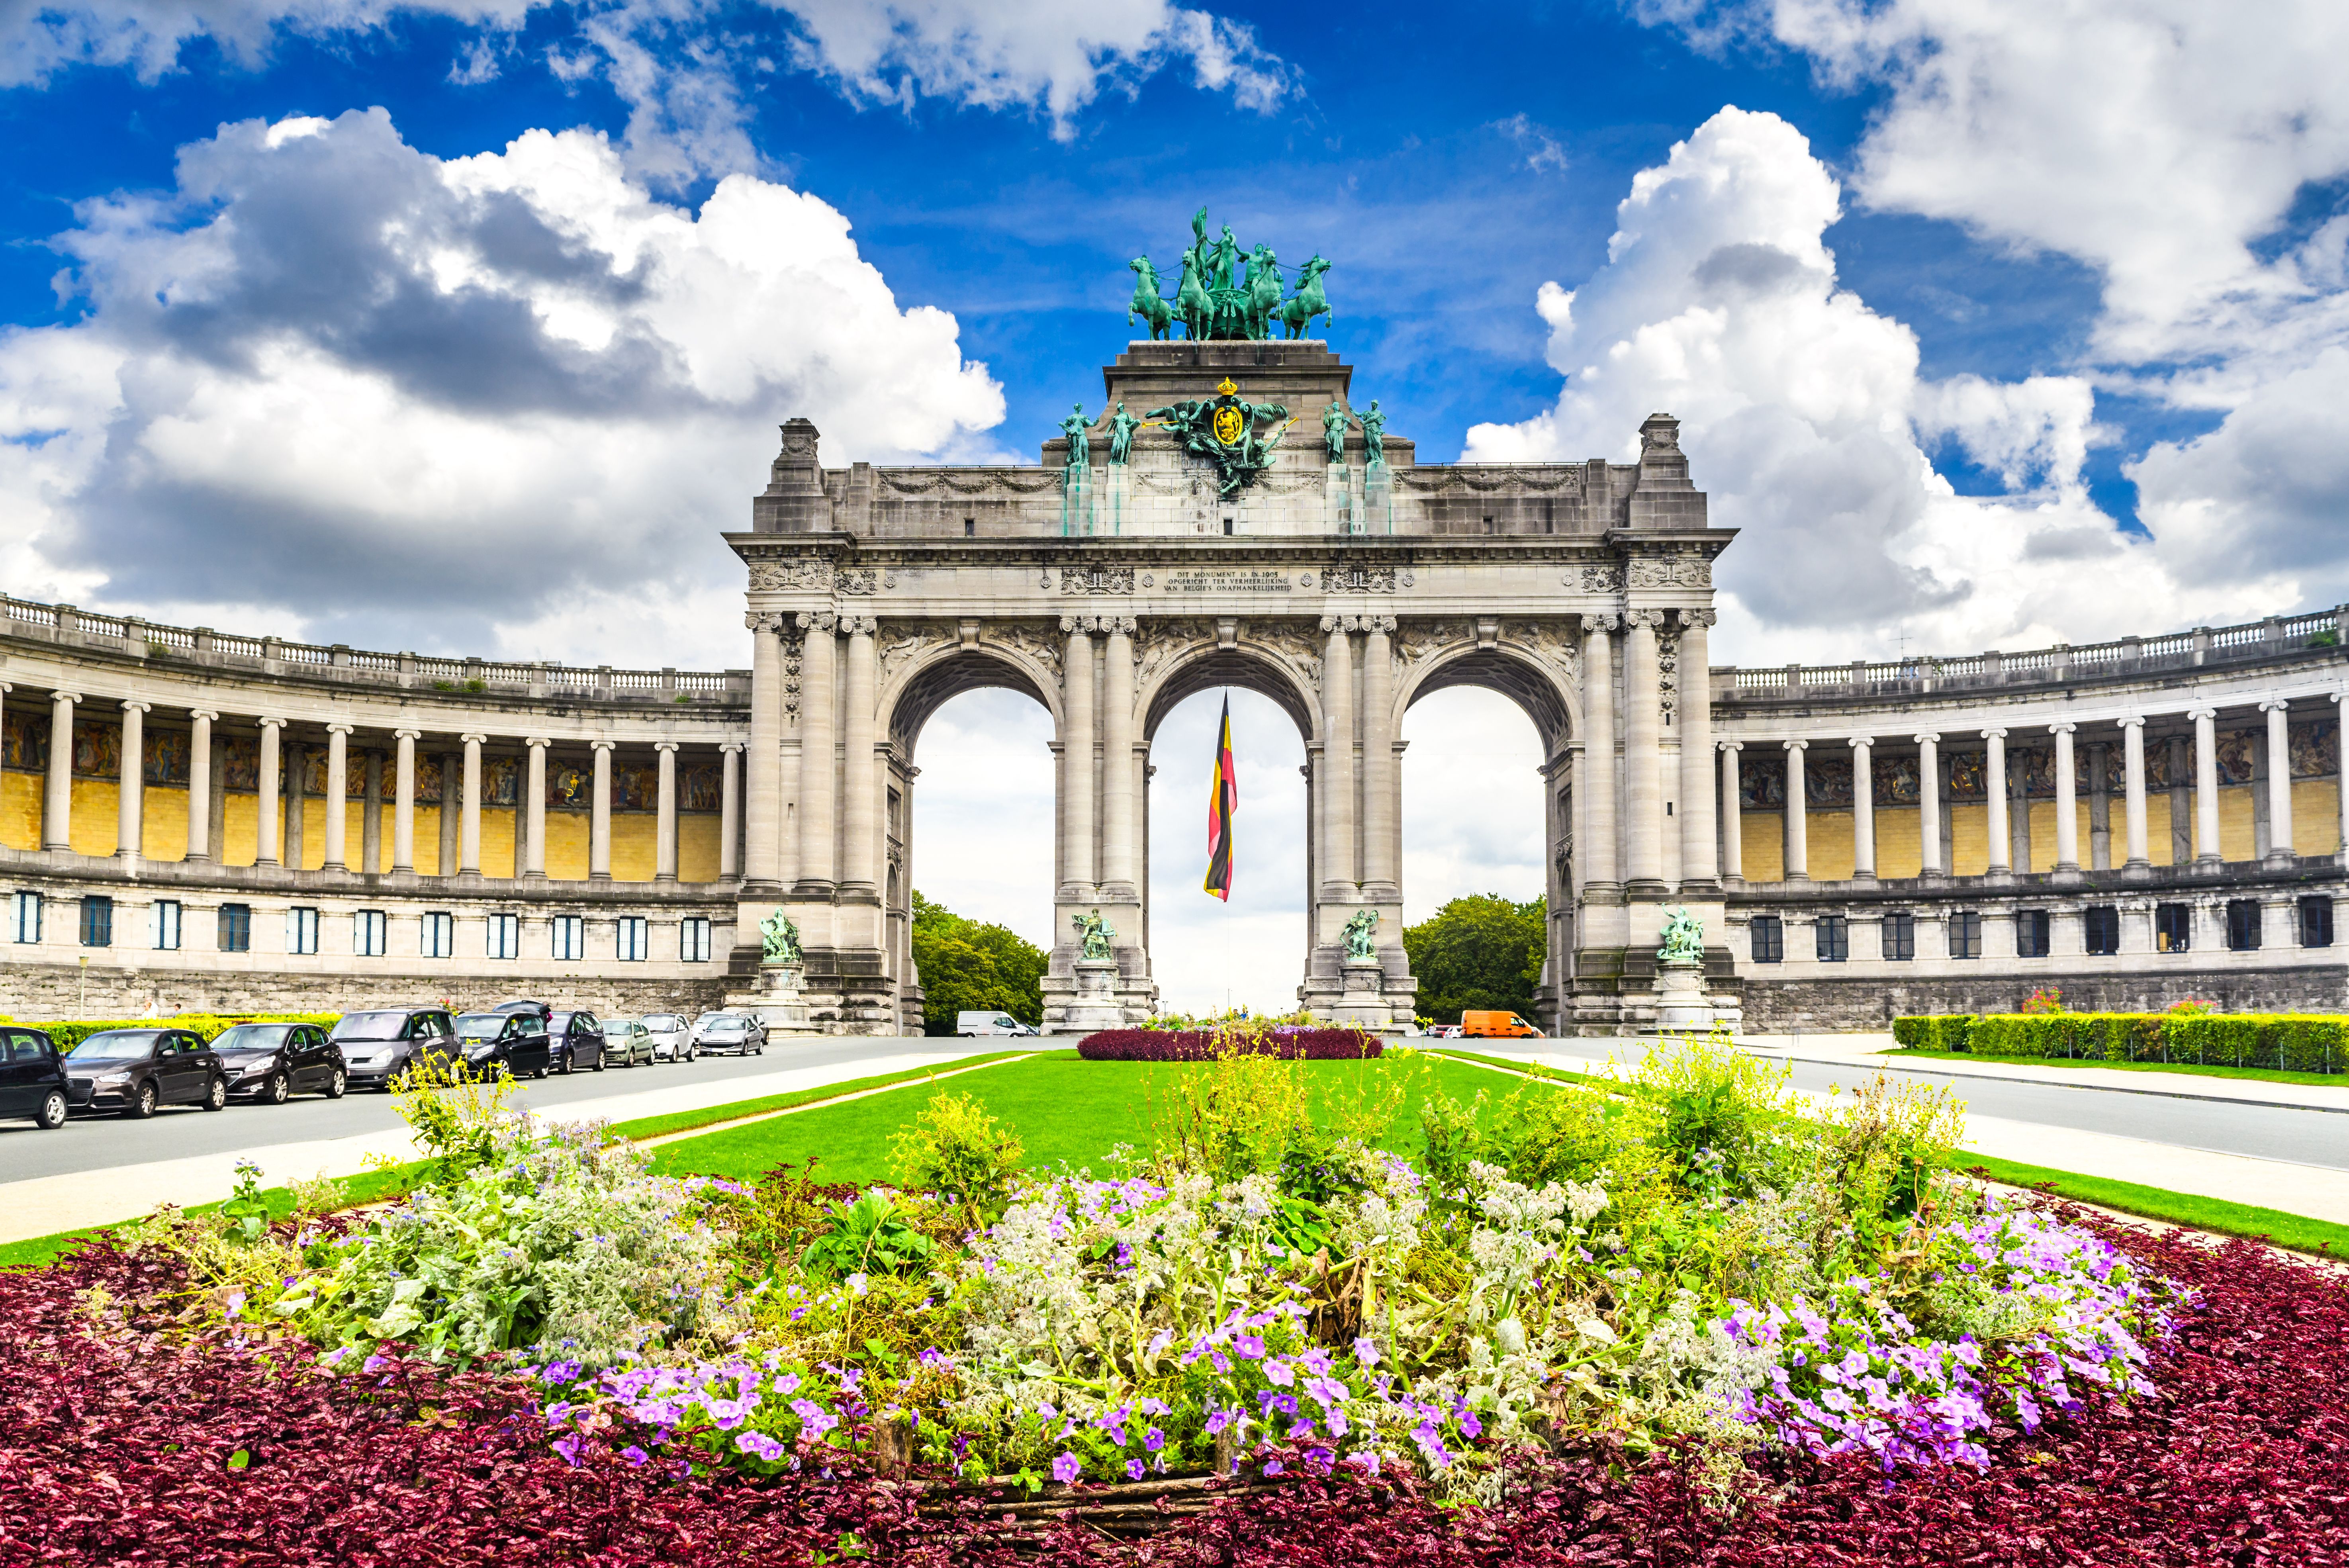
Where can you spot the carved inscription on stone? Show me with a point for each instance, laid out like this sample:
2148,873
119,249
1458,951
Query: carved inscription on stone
1216,581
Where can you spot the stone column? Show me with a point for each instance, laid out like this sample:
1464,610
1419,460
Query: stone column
2205,787
818,761
533,829
2068,827
599,815
1699,867
338,789
2279,779
729,811
762,832
56,812
1382,877
2341,769
1928,804
1597,791
372,813
1339,867
1733,825
858,810
1077,753
266,805
2001,845
468,826
1117,755
2133,791
403,802
130,815
200,784
1642,752
665,826
1863,808
1797,819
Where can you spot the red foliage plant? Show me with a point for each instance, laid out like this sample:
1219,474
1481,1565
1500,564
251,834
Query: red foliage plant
122,1441
1204,1044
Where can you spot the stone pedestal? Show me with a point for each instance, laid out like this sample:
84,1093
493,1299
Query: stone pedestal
1682,1006
1095,1004
1338,499
775,997
1363,1003
1377,514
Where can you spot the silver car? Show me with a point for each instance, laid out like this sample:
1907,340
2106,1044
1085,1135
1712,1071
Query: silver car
627,1042
671,1037
742,1033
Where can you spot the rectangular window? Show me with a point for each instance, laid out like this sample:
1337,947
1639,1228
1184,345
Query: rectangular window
2173,927
236,928
24,916
2316,922
438,939
167,923
635,939
2242,923
367,930
1901,936
570,938
2030,933
505,936
2100,927
1833,934
1965,935
693,938
301,929
97,920
1769,939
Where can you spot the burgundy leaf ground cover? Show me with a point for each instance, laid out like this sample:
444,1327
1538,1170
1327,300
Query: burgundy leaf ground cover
1202,1045
119,1443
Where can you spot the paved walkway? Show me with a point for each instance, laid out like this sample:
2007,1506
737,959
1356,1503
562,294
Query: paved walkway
45,1205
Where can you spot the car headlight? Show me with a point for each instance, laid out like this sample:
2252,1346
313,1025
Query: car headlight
113,1080
480,1048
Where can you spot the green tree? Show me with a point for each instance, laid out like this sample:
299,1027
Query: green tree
972,967
1480,952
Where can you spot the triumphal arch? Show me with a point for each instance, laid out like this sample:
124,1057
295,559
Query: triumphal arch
1233,512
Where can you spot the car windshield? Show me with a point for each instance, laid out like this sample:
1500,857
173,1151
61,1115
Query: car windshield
725,1025
662,1021
559,1022
482,1026
368,1026
252,1037
116,1045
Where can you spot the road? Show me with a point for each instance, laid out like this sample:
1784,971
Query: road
103,1142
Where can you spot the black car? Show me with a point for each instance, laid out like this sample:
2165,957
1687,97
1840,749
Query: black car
135,1070
515,1041
268,1062
31,1077
576,1040
378,1043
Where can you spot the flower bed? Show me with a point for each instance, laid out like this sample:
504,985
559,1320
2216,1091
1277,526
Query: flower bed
1283,1042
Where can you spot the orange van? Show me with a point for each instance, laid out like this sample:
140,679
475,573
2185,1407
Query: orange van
1496,1026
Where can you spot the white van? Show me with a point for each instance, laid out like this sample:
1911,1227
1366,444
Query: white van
968,1025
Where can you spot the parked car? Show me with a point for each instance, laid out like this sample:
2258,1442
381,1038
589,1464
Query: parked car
576,1040
628,1042
1495,1025
741,1033
378,1042
972,1025
1445,1032
135,1070
268,1062
672,1037
32,1078
515,1041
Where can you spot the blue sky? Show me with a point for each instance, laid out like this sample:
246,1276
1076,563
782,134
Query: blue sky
466,323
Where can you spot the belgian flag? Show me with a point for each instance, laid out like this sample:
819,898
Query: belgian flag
1223,799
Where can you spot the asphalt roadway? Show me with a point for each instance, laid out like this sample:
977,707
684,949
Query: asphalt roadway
102,1142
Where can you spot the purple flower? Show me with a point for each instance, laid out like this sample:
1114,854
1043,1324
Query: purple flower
1066,1468
1250,1346
568,1447
1154,1439
634,1455
1133,1469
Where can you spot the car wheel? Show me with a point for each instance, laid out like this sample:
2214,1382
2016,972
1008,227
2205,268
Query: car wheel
599,1061
338,1083
216,1096
542,1073
277,1090
142,1102
53,1111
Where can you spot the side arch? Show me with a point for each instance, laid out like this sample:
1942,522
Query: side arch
1552,703
944,671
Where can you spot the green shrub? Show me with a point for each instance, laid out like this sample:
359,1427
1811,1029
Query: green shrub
955,1148
1915,1033
1449,1139
2292,1042
1953,1032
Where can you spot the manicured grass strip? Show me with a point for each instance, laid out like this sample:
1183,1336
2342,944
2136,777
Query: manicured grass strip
710,1116
2264,1075
1524,1068
367,1187
2296,1232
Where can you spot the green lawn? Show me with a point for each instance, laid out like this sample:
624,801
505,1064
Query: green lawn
2267,1075
1063,1107
2293,1231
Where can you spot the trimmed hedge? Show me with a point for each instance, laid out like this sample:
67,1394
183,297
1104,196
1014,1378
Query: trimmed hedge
2287,1042
1205,1045
70,1033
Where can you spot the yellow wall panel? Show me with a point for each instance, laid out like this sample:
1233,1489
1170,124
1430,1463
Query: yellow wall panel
428,841
697,847
2157,830
20,809
1763,845
566,845
1899,849
2235,835
96,802
498,843
239,813
1970,840
1832,845
163,834
633,840
2316,817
